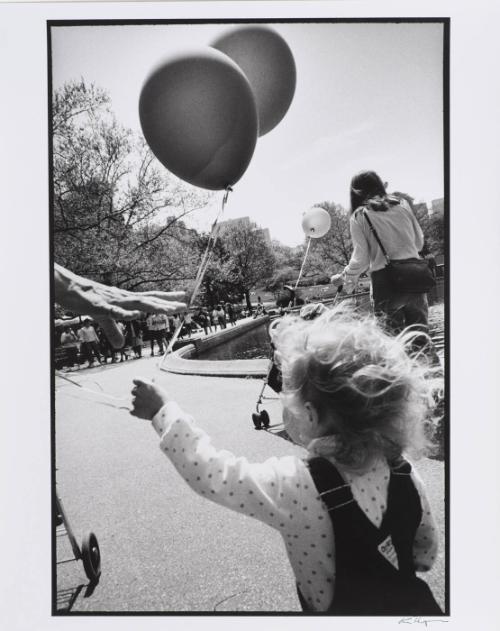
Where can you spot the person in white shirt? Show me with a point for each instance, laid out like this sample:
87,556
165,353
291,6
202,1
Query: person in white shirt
355,399
402,238
89,343
215,318
158,327
188,323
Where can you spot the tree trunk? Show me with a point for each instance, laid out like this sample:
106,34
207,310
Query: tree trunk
247,298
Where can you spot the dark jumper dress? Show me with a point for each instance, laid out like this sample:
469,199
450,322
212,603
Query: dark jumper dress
367,581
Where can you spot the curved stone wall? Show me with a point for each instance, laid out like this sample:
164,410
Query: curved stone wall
184,360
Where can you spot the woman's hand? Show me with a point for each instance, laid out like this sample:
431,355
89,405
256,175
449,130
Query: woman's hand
148,399
88,297
103,303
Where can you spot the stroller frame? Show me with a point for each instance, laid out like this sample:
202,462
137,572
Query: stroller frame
89,553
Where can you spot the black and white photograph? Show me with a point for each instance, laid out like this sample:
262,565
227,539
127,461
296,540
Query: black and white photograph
249,233
250,319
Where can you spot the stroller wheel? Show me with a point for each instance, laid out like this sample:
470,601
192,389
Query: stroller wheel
264,417
91,557
257,420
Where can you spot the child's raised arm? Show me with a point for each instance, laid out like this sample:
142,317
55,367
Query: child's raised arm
279,491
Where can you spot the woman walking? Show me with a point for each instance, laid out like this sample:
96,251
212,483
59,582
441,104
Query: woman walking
386,235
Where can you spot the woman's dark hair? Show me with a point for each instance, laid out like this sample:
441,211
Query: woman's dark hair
365,185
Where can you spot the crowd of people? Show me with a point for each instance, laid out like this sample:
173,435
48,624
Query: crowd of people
88,343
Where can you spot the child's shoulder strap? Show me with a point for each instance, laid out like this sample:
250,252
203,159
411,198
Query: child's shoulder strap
400,466
331,486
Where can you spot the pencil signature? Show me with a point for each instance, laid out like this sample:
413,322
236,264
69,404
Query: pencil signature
419,620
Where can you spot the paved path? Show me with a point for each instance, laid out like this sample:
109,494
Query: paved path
163,547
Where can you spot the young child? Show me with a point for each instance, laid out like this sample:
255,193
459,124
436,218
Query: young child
353,515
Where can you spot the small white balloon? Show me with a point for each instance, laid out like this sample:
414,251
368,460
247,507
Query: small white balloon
316,222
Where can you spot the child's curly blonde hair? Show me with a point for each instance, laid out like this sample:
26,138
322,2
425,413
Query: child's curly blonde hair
352,371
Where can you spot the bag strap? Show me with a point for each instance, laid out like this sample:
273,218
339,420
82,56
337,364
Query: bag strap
377,238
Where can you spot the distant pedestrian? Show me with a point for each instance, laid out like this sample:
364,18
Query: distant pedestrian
165,331
89,343
136,340
188,323
69,341
156,326
222,316
104,345
171,327
215,318
204,321
177,324
231,316
126,336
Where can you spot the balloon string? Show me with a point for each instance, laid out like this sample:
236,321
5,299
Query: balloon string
109,404
75,383
113,401
303,263
212,240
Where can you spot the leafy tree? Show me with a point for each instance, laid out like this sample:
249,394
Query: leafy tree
435,233
331,253
285,255
242,261
287,261
117,215
160,258
284,275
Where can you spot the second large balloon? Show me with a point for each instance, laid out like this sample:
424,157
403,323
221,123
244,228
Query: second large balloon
267,61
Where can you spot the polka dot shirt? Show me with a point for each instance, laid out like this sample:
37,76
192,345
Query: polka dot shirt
281,493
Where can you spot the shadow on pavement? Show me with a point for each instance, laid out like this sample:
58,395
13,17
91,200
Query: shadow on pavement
66,598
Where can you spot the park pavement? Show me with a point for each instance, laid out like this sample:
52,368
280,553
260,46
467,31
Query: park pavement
165,549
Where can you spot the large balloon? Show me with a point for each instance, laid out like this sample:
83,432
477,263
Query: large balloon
199,116
267,61
316,222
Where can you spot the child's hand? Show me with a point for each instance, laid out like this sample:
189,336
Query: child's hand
148,399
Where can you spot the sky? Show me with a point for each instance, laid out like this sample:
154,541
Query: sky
368,96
